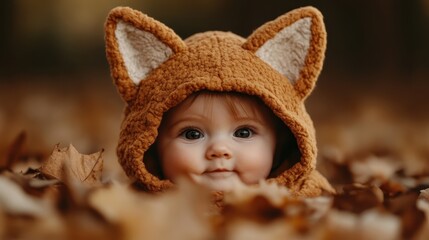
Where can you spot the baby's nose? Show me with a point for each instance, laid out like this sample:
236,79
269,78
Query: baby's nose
218,149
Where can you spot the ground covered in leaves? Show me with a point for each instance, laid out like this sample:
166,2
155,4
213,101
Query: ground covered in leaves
376,159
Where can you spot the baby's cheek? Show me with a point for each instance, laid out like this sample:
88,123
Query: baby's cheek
250,178
254,168
178,163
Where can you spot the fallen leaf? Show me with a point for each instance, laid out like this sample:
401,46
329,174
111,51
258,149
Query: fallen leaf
423,203
257,209
273,192
65,163
373,168
392,188
248,229
333,164
424,194
14,151
268,203
357,198
371,224
2,223
13,200
405,207
31,184
176,214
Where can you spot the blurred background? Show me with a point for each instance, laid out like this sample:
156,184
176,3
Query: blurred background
371,98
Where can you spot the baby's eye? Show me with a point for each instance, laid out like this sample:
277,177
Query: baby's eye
192,134
243,133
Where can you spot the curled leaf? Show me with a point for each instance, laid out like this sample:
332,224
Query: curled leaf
176,214
273,192
373,168
358,198
371,224
14,200
67,164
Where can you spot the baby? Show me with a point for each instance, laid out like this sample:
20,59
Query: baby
215,107
220,138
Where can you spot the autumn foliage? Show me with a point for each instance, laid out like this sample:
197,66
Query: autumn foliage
65,196
374,153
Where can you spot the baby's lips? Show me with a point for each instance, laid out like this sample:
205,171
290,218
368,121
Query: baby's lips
219,173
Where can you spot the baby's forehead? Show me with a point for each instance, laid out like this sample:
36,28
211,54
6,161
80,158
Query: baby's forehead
238,105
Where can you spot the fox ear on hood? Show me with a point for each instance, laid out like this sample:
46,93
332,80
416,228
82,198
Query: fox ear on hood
135,45
293,44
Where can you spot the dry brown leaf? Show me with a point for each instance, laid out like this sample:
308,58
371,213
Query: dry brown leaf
372,169
13,200
392,188
2,223
247,229
423,204
358,198
424,194
18,159
333,164
47,227
31,184
260,203
257,209
423,233
273,192
14,151
371,224
405,207
264,205
319,207
67,163
176,214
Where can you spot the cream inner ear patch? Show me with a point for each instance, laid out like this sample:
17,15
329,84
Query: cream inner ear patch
287,50
141,51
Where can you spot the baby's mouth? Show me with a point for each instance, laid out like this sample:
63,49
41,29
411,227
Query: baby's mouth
218,179
219,173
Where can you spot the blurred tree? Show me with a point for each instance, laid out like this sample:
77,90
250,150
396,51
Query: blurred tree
66,36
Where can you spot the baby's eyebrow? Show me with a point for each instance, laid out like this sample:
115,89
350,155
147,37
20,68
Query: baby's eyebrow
250,119
193,118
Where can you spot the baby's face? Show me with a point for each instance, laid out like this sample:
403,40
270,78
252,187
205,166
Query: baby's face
217,143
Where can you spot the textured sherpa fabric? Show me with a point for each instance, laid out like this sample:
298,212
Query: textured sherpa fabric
154,70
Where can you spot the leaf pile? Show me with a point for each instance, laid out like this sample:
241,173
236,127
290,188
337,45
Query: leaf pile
64,195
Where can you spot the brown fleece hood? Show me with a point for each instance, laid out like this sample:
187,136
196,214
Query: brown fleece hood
154,70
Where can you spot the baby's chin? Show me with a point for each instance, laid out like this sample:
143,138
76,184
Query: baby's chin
219,181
